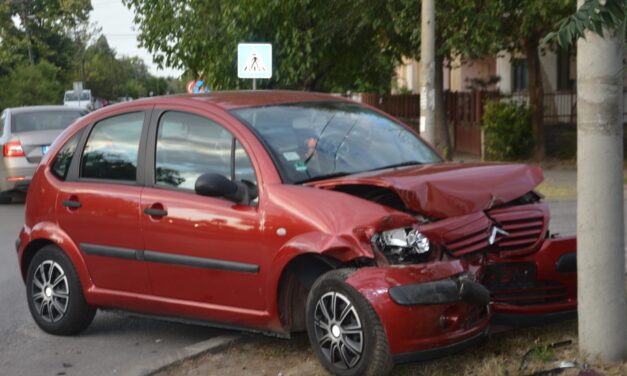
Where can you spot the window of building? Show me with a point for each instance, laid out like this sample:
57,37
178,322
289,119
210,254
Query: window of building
520,75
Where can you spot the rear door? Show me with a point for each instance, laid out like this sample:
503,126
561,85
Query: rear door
99,204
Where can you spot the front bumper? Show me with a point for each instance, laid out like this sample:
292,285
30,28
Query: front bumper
418,327
534,289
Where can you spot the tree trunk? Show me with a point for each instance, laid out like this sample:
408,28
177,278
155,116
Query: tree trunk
536,94
600,218
427,71
441,121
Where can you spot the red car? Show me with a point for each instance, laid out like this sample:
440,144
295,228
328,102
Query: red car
281,212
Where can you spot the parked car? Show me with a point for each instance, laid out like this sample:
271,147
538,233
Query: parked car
25,135
281,212
83,100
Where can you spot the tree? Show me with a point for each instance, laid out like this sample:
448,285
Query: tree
317,45
599,28
29,85
522,26
465,30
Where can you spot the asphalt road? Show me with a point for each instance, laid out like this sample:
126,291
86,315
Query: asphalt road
115,344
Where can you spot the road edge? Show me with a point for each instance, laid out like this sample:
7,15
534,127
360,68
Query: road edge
193,351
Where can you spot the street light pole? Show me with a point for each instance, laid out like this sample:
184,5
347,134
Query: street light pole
600,219
427,72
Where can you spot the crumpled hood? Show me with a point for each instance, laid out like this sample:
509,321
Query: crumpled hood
449,189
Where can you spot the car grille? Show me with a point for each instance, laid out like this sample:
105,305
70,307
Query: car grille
469,238
525,225
539,292
516,284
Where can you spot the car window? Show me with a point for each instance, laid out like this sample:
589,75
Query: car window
112,147
62,161
243,166
3,118
312,141
189,146
44,120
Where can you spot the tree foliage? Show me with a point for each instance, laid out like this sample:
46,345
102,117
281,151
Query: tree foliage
593,15
45,45
29,85
317,45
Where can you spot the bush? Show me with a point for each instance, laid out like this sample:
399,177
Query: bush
507,130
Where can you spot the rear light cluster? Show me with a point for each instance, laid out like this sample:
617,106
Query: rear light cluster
12,149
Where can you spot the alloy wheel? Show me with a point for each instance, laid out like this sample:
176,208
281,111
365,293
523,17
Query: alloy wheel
50,291
338,329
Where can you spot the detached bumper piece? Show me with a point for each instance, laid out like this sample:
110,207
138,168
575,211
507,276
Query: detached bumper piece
441,292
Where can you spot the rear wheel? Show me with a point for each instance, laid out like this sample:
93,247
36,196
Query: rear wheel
344,330
55,296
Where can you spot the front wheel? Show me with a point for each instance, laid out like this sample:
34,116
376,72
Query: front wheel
55,296
344,330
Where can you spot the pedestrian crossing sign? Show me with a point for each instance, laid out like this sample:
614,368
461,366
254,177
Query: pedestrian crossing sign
254,60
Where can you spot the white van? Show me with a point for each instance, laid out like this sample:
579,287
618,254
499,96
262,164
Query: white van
85,100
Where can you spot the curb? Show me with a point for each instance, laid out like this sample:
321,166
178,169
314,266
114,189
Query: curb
196,350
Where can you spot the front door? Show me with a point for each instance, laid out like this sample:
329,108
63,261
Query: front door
198,248
99,208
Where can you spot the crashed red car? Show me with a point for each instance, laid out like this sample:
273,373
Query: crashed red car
282,212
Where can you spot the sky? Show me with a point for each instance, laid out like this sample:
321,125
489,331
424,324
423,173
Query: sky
117,25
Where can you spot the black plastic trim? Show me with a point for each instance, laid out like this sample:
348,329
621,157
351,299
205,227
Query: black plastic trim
438,352
71,204
107,251
153,212
567,263
519,320
17,244
167,258
199,262
440,292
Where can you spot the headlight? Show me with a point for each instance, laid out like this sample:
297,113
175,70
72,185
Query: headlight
403,245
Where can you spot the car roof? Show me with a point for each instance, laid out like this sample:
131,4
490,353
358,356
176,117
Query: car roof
229,100
25,109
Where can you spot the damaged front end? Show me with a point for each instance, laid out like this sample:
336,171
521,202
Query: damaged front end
486,215
428,310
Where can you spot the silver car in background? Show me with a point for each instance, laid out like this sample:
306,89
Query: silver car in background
25,135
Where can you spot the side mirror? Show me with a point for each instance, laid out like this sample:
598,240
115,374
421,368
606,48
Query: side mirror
216,185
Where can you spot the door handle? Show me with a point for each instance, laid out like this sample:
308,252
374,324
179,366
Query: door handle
155,212
72,204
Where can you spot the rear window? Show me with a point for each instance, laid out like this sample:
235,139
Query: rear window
44,120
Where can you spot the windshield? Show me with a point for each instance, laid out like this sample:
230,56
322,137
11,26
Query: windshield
311,141
71,97
44,120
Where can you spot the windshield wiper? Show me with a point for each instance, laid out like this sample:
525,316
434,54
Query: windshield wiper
323,177
401,164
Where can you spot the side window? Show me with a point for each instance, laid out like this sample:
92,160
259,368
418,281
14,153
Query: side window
112,147
3,118
244,169
189,146
62,161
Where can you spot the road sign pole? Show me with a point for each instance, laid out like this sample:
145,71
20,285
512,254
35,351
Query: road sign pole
254,84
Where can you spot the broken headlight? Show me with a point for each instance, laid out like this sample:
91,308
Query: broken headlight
403,245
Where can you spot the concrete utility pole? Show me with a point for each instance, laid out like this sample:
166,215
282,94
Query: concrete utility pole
600,237
427,72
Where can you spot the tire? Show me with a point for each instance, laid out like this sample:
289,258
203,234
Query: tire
55,295
337,341
5,199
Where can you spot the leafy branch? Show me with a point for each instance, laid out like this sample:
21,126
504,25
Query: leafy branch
593,15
